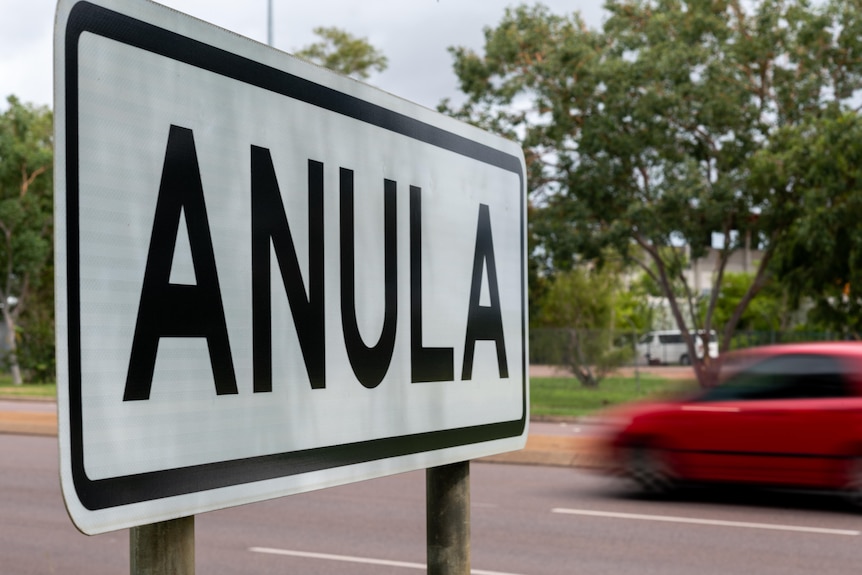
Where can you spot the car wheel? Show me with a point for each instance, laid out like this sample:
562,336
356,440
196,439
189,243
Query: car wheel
648,467
684,360
853,487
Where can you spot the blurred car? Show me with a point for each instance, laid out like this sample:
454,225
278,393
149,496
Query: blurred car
784,415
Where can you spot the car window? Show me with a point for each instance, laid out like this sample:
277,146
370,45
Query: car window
670,338
647,338
792,376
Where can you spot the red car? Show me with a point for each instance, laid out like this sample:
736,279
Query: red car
788,415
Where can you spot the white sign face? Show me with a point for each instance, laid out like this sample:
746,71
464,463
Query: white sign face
270,278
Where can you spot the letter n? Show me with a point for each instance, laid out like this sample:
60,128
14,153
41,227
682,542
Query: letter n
270,231
174,310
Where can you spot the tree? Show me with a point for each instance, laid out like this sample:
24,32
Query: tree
769,318
581,305
632,311
340,51
820,161
640,137
36,349
26,158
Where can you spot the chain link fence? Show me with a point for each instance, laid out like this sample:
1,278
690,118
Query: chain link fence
743,339
616,348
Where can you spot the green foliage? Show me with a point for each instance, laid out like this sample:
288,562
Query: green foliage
640,137
580,305
632,312
820,161
579,298
768,319
768,312
340,51
26,220
35,332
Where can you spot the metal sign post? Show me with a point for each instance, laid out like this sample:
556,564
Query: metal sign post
448,518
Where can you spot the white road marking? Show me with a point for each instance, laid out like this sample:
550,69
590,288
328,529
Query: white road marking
696,521
362,560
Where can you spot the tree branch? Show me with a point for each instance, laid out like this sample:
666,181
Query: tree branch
27,181
761,278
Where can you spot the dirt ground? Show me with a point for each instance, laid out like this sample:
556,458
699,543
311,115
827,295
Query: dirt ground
665,371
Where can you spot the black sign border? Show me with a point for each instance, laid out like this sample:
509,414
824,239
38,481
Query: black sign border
125,490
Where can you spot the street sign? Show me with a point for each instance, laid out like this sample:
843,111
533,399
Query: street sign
270,278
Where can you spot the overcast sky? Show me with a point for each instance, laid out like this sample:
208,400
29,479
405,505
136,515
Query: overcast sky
413,34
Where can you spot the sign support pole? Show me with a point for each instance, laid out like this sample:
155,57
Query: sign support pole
165,548
447,509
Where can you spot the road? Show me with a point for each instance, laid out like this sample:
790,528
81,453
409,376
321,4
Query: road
526,520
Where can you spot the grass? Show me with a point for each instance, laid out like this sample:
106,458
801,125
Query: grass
561,397
564,397
40,390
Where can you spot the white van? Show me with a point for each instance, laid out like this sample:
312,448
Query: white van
668,346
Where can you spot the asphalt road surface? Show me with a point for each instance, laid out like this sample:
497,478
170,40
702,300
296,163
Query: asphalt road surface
525,520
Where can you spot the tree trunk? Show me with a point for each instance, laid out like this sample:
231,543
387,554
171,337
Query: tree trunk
579,364
12,346
709,371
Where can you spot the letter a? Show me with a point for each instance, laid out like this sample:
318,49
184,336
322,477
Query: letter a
484,323
173,310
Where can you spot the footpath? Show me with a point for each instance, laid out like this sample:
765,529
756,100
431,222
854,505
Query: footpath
28,423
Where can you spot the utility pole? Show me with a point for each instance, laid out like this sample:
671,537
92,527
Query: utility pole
269,22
